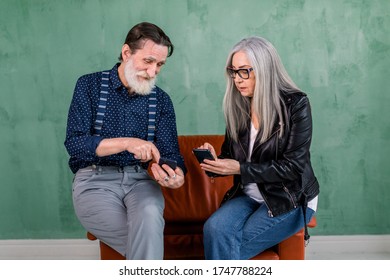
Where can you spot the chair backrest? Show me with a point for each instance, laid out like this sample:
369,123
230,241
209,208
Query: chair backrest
200,196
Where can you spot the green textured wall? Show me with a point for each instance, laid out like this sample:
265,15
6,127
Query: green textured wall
336,51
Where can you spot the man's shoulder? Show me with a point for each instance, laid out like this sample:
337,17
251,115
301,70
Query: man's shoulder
161,93
91,77
163,97
95,76
160,90
89,83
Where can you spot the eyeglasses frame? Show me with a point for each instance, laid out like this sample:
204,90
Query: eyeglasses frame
236,71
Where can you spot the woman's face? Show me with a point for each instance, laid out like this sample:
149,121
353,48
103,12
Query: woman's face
245,86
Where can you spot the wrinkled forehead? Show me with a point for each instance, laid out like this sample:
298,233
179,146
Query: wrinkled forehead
151,50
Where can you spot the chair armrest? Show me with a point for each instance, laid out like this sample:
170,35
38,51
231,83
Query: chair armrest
313,222
293,248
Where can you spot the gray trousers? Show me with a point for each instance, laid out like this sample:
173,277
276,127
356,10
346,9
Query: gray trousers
123,207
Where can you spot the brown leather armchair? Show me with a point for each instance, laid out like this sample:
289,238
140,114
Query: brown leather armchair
187,208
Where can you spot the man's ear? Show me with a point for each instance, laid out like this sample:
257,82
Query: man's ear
126,52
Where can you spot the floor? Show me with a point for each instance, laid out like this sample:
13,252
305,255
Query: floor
347,256
369,247
352,247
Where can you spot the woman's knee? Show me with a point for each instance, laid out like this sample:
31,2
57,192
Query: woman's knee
213,227
309,214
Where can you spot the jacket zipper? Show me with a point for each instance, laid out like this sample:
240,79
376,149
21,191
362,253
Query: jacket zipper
273,133
230,195
270,214
240,186
289,194
242,148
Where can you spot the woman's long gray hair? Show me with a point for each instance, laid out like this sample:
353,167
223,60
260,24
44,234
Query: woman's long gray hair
271,78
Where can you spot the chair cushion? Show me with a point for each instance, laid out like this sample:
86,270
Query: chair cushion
200,195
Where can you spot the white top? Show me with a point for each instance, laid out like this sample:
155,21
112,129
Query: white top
251,189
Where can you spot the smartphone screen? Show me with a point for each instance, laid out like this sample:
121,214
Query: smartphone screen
202,154
171,163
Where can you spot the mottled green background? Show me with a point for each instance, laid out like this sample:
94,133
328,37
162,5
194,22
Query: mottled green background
337,51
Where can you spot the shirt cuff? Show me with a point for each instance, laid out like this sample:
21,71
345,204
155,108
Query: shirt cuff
92,144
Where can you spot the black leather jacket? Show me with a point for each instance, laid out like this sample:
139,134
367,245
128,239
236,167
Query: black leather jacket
280,166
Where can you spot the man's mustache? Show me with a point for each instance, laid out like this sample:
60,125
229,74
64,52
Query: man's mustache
144,75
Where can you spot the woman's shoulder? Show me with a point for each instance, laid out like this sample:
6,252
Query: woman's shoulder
293,97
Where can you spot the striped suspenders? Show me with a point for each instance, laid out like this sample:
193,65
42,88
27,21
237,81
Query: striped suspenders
103,105
152,114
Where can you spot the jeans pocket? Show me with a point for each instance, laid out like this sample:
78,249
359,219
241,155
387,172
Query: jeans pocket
81,180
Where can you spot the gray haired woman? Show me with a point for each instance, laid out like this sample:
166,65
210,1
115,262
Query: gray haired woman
266,148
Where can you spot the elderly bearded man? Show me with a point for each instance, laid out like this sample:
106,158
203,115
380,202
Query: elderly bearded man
118,123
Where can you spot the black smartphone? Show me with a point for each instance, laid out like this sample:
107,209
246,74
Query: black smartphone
202,154
170,162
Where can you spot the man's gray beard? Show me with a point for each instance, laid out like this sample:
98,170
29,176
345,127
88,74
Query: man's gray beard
131,76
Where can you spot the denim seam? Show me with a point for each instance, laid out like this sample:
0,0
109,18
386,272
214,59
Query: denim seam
279,221
239,221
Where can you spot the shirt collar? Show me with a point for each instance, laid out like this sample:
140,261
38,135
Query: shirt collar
114,77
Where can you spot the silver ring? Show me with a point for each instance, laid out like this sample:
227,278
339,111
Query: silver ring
174,176
166,179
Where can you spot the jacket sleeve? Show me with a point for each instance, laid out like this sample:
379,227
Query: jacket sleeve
294,157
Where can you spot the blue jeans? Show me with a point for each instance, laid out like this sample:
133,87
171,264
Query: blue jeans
242,228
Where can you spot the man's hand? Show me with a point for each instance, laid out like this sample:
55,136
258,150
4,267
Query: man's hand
142,149
167,177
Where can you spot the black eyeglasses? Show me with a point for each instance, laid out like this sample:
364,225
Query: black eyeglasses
242,72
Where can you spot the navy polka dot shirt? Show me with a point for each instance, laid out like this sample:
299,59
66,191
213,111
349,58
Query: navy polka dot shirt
126,116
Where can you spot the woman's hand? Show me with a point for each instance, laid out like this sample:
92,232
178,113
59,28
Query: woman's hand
209,147
167,177
221,166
